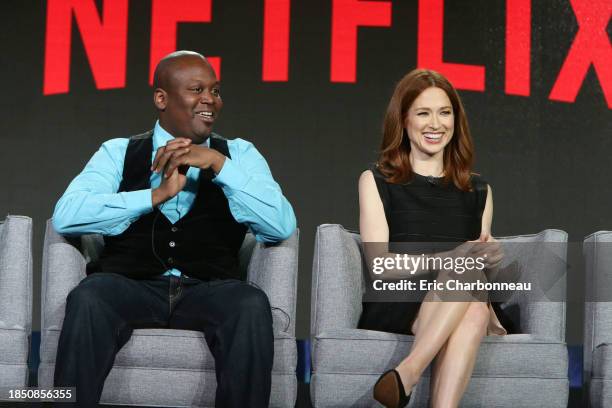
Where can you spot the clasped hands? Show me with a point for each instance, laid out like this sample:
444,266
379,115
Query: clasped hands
174,159
486,249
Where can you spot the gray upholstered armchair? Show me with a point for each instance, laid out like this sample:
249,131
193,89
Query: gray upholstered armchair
15,300
144,372
528,369
597,249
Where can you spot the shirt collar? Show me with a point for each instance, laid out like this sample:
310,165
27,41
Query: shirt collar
161,137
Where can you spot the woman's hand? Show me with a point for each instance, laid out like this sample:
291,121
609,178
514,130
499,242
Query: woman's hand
488,248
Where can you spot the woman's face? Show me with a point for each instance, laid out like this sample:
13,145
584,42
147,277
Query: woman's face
430,122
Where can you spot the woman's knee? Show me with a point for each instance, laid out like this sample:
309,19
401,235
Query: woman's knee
476,318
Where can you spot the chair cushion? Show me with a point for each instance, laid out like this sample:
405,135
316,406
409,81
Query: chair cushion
13,376
176,349
14,345
355,391
371,352
600,393
145,386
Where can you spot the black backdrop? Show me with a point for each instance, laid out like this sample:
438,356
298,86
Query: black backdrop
547,161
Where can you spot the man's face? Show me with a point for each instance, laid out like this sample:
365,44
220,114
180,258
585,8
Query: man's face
193,99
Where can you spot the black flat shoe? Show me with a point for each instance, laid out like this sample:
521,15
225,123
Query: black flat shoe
389,390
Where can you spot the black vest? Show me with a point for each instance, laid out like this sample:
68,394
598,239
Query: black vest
203,244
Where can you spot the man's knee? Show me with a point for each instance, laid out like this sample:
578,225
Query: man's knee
254,303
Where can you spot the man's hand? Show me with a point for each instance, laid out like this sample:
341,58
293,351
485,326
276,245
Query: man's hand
174,160
195,156
174,148
175,182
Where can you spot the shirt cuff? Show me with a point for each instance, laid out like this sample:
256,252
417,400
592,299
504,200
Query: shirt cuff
139,202
231,176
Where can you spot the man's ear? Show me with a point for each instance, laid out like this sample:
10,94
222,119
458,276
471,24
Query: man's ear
160,99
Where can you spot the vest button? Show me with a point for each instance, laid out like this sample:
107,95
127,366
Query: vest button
173,229
172,244
170,261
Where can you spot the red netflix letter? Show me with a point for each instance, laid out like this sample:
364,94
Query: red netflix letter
276,40
429,49
518,47
105,42
591,46
347,15
166,14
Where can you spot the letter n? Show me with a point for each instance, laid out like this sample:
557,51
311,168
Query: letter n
104,39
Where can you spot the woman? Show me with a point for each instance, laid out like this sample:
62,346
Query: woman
423,190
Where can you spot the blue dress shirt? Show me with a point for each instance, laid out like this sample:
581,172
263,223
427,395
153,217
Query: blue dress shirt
92,205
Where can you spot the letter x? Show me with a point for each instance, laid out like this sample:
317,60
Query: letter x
591,46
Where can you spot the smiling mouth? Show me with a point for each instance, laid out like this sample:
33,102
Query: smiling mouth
432,137
206,115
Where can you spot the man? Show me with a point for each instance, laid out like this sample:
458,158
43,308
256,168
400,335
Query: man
173,205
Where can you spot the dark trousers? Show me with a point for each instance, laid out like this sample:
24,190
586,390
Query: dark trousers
104,309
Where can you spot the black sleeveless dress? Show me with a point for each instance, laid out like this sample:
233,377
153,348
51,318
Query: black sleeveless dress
429,211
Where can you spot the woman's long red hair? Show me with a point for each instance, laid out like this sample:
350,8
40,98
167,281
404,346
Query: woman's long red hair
393,160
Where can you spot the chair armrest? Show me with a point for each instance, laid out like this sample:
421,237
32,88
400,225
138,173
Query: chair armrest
63,267
543,258
16,272
52,237
337,279
274,269
597,251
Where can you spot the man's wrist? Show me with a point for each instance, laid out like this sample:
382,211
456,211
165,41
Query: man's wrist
158,197
218,163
